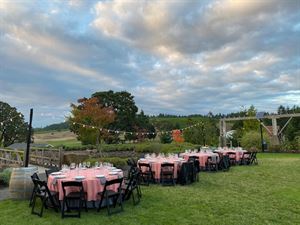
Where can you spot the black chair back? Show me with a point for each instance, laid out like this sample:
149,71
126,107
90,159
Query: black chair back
167,173
186,174
146,173
51,170
108,194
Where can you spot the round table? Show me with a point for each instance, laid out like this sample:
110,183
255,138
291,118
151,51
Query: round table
92,185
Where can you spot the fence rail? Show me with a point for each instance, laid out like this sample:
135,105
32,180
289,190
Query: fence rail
39,157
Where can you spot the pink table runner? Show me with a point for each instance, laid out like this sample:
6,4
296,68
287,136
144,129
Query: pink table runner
91,183
202,156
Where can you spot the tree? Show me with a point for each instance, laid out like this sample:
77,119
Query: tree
127,118
124,107
177,136
144,127
165,125
13,128
88,118
206,133
250,125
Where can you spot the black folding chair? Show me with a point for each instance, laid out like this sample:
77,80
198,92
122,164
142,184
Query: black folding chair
254,158
186,174
232,158
112,197
197,168
73,200
129,188
36,177
211,164
48,199
147,175
224,163
167,174
246,159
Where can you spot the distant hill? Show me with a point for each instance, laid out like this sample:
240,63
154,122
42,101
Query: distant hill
54,127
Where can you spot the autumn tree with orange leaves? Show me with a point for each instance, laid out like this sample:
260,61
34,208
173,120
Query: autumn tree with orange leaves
177,136
94,116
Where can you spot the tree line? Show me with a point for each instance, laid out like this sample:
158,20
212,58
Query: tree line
117,111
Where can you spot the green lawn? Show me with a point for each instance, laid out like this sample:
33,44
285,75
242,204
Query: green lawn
265,194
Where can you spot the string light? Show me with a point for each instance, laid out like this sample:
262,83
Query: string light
11,119
135,133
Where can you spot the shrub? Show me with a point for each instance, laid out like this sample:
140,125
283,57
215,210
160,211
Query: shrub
252,140
165,138
5,176
155,148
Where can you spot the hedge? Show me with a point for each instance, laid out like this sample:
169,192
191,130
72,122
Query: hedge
141,147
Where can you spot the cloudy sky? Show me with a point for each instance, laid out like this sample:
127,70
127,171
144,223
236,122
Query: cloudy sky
176,57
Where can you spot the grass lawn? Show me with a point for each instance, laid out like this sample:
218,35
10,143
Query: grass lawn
265,194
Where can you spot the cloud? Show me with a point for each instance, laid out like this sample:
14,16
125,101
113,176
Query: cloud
178,57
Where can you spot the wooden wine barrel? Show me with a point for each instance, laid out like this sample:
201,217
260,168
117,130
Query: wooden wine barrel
20,185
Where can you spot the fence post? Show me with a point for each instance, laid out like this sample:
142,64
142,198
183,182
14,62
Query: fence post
43,162
61,157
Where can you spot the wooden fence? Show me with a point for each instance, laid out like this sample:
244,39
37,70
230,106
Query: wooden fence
39,157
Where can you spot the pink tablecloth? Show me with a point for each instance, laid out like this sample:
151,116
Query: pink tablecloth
91,183
155,164
202,156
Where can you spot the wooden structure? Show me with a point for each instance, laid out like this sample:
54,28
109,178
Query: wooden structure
274,133
39,157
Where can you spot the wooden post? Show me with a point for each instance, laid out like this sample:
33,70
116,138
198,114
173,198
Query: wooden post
61,157
26,162
43,155
261,136
275,139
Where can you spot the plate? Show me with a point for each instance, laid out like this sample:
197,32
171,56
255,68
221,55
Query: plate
100,176
113,173
117,170
79,177
60,176
56,173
